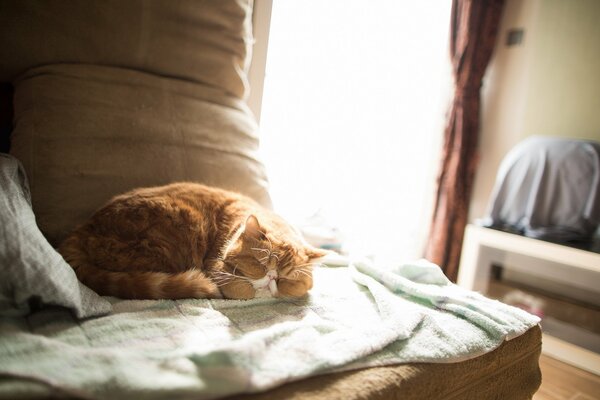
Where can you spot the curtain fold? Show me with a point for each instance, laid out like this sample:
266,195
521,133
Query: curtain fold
473,30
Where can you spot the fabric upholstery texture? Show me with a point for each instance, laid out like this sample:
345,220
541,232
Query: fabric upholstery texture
30,268
207,42
86,133
123,94
6,113
509,372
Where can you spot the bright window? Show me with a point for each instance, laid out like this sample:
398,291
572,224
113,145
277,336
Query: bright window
353,109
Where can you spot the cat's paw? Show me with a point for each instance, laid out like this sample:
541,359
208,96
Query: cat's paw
292,288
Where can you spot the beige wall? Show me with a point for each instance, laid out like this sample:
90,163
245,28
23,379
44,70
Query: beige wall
547,85
261,20
564,84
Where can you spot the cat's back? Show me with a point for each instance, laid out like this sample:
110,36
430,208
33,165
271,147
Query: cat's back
184,201
192,194
164,215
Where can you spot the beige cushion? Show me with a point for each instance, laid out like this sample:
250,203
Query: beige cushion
85,133
205,41
114,95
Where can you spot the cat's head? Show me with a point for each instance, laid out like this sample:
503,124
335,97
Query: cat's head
266,260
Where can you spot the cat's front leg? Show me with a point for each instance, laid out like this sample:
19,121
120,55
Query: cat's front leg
230,286
238,289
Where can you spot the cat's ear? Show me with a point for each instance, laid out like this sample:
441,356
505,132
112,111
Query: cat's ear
252,228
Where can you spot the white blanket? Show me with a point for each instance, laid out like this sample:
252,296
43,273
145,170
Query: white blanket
355,316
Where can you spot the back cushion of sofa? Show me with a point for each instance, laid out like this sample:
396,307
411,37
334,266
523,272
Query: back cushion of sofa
206,41
85,133
112,95
6,114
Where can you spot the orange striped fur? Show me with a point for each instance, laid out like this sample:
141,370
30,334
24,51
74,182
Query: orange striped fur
187,240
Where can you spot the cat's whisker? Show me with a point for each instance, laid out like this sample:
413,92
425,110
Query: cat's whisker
270,243
259,249
221,272
224,275
301,272
222,280
231,276
264,259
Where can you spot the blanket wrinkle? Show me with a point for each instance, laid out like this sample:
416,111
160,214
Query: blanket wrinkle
355,316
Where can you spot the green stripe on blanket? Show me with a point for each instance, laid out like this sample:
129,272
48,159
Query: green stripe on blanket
354,317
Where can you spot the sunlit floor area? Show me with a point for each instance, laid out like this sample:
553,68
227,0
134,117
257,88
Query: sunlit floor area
561,381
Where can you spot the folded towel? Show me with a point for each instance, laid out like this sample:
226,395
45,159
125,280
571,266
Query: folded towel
355,316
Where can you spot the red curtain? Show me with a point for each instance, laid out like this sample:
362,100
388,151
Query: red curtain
473,29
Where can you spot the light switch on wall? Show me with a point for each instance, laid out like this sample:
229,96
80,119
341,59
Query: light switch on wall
514,37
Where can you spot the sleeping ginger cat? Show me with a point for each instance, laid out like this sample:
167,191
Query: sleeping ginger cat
187,240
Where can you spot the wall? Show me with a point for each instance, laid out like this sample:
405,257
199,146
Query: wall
261,21
549,84
564,84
